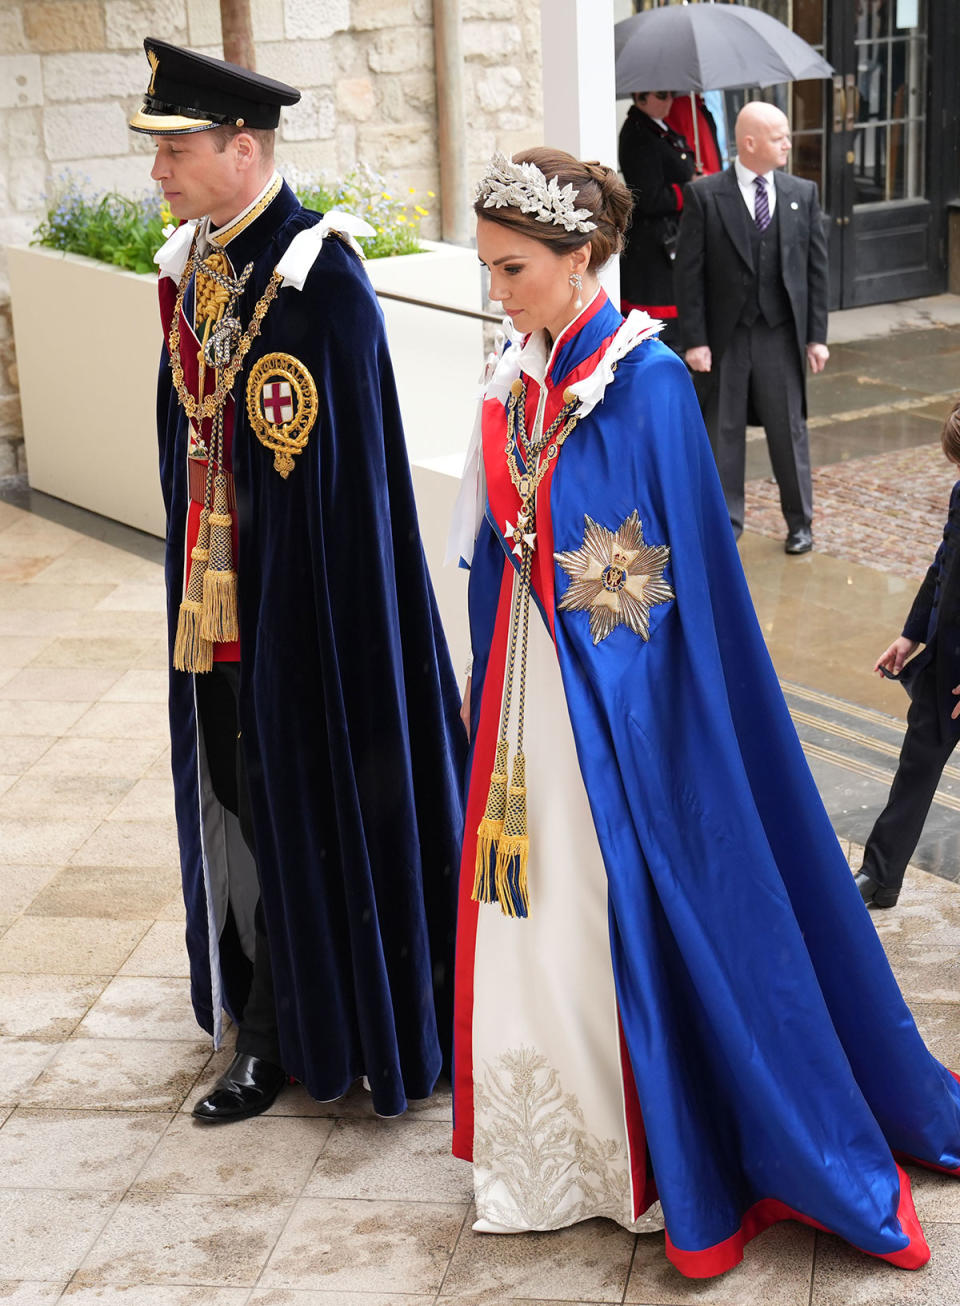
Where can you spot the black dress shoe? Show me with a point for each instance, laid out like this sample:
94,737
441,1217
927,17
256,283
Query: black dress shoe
800,541
247,1087
874,894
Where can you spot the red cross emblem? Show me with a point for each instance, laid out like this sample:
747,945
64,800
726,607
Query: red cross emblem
277,402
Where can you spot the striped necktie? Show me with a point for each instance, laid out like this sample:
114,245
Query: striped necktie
762,212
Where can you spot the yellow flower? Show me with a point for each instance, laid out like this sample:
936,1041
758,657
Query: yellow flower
424,213
401,218
386,196
412,191
431,194
166,213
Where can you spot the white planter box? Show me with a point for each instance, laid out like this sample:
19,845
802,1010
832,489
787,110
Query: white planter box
88,342
437,357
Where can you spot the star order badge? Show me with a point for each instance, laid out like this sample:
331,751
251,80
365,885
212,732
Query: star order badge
615,577
519,536
282,407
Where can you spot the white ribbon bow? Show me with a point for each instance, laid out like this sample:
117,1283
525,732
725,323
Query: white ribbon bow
638,326
301,253
171,257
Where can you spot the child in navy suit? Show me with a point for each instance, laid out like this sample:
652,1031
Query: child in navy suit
932,679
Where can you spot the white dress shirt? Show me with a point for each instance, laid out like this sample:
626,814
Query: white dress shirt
748,190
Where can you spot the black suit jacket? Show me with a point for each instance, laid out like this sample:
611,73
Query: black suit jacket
934,618
712,273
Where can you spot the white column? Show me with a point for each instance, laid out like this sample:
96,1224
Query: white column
579,108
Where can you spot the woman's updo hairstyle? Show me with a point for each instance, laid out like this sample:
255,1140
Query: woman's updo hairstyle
598,188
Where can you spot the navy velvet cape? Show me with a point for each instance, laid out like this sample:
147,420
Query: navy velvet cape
777,1066
348,703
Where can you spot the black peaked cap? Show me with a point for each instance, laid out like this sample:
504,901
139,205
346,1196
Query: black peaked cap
192,92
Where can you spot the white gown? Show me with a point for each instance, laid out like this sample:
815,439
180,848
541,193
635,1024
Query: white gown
550,1141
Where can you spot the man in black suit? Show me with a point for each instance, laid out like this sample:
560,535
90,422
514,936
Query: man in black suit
751,284
932,679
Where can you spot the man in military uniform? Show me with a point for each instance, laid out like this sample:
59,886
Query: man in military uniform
314,713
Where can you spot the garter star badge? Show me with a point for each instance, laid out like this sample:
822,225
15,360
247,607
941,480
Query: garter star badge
282,407
615,577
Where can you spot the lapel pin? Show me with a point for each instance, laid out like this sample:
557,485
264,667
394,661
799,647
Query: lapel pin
794,204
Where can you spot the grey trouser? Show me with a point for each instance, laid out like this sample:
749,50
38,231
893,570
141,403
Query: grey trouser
761,372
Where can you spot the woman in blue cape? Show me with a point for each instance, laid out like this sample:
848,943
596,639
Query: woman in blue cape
661,947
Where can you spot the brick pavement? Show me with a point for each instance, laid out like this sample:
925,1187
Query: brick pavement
880,482
884,511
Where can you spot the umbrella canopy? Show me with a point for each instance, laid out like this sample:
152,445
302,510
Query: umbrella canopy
709,47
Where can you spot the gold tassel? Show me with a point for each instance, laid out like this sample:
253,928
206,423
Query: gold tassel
491,827
513,848
191,651
220,621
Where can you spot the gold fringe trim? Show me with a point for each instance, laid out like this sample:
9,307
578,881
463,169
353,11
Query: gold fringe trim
513,848
191,652
491,827
220,620
488,833
511,875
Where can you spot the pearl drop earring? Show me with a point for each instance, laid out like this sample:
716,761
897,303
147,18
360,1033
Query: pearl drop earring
576,280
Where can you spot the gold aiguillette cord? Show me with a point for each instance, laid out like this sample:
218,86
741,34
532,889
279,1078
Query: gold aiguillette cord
209,609
503,841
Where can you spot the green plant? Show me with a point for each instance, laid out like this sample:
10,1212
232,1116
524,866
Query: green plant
368,195
128,232
112,228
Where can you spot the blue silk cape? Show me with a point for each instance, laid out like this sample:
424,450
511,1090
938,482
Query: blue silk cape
777,1066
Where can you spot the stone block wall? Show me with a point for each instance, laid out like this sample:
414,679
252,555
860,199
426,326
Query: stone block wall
72,72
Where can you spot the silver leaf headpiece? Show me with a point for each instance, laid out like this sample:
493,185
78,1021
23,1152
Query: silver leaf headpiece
523,186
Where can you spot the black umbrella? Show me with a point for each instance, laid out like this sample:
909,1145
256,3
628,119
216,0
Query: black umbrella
709,47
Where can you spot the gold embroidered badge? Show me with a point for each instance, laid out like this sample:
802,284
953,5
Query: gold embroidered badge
282,407
615,577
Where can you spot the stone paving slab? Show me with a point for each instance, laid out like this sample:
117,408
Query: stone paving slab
880,322
111,1195
853,754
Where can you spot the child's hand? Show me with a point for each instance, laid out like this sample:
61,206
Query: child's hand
894,657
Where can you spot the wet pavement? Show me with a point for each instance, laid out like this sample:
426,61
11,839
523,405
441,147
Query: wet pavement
881,489
110,1195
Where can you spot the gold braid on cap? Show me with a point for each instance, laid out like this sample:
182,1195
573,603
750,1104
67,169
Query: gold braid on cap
523,186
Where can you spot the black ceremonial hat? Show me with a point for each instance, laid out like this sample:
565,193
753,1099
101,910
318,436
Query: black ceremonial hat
191,92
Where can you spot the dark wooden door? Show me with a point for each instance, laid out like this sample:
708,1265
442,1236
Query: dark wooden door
885,194
867,138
